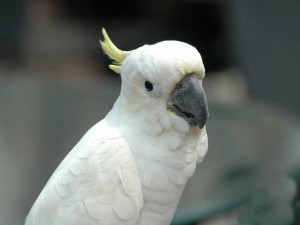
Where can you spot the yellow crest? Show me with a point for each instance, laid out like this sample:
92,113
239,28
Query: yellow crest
113,52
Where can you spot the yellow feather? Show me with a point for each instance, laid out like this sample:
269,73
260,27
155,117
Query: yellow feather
112,51
115,68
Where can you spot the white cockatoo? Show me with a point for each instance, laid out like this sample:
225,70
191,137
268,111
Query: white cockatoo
132,166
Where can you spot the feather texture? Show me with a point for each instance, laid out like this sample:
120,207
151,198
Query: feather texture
130,168
113,52
99,182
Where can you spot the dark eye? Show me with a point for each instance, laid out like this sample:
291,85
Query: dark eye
148,86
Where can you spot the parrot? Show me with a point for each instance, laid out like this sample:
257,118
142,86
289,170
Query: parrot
132,166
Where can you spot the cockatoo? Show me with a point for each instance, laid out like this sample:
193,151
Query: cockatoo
132,166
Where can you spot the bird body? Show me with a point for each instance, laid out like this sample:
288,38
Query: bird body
131,167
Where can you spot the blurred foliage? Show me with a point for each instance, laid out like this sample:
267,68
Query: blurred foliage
269,204
296,203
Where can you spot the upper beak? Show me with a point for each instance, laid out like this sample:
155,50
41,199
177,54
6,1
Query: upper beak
188,100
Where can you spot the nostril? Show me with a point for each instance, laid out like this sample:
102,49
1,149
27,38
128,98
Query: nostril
181,85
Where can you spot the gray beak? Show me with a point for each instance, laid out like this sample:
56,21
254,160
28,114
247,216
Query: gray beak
188,101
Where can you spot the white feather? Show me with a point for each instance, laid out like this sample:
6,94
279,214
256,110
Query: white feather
131,167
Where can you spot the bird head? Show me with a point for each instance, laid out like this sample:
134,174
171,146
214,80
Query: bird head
164,78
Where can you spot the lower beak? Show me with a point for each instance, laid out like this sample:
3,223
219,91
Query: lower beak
188,101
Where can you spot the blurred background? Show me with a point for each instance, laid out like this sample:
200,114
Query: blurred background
55,84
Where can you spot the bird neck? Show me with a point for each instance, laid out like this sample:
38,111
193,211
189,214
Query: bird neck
165,155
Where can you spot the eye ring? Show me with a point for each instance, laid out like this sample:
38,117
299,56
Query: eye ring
152,89
148,86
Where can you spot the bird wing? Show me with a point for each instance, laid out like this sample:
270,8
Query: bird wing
97,183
